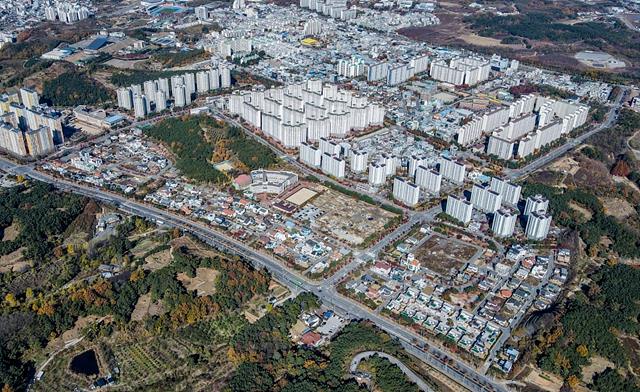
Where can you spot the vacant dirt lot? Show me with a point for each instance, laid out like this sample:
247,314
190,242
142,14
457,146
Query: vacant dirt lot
13,262
204,282
618,208
597,365
441,254
11,232
349,219
478,40
144,307
583,211
158,260
546,382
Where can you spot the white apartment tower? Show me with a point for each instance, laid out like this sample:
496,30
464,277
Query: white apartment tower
502,148
406,192
377,173
140,106
428,179
484,199
538,224
161,100
333,165
390,163
452,170
179,96
510,192
504,222
536,203
150,89
29,97
202,82
329,146
459,208
310,155
12,140
359,160
125,98
313,27
414,162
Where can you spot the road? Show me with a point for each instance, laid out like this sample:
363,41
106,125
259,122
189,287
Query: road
456,369
303,168
506,331
407,372
67,345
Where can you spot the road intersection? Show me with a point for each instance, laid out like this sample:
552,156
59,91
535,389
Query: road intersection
458,370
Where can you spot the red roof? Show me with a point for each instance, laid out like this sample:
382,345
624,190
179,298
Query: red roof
382,265
243,180
311,338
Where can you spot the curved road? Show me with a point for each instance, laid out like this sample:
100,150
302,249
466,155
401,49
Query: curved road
415,344
407,372
449,364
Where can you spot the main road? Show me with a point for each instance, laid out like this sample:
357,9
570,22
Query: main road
456,370
353,367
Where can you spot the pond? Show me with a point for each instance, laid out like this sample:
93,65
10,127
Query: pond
85,363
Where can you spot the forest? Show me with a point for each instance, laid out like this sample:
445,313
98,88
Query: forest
625,240
184,137
73,89
28,321
269,361
171,59
262,354
199,141
545,26
388,377
592,324
42,216
26,50
129,77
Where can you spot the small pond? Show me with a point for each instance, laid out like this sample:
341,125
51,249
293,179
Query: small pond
85,363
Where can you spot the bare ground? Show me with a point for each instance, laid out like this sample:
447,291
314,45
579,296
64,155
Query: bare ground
204,282
11,232
583,211
145,306
12,262
597,365
546,382
618,208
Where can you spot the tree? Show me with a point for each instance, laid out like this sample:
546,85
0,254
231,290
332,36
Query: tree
610,380
621,169
573,381
582,350
251,377
11,300
74,88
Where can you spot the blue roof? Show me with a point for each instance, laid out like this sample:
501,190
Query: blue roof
97,43
114,119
